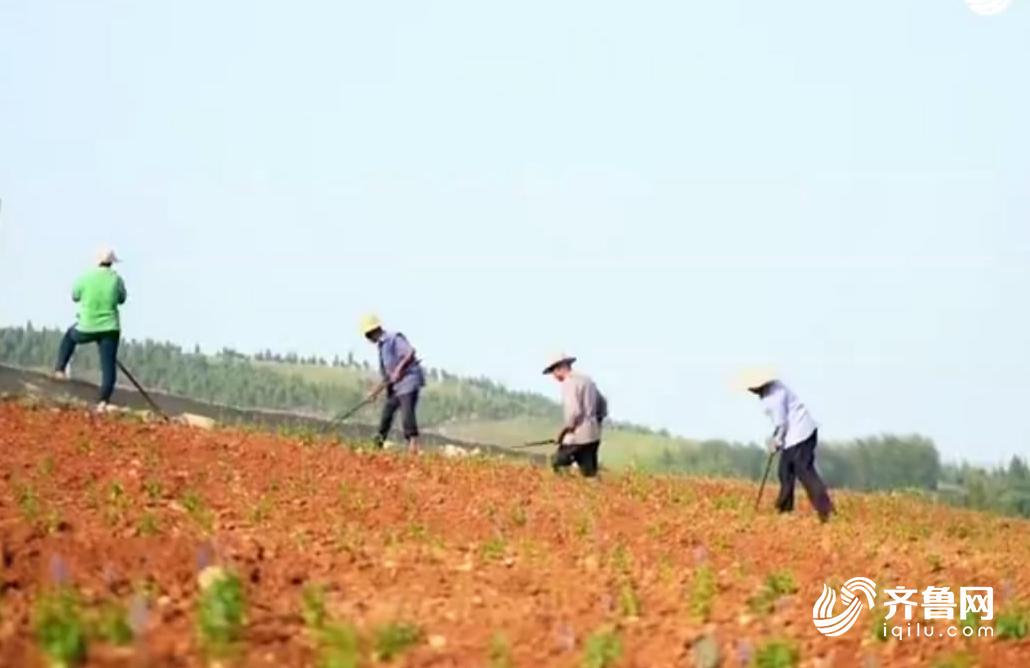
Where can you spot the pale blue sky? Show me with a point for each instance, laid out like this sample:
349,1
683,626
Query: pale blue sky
668,189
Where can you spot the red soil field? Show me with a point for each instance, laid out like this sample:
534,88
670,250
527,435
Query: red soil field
470,550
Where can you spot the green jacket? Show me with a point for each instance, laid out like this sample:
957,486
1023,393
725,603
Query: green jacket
99,292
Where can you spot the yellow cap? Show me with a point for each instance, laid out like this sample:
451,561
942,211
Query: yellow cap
370,323
752,379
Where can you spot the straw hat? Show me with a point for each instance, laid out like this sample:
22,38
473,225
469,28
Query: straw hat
106,256
558,360
754,378
370,323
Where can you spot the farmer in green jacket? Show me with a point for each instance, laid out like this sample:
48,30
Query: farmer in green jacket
99,292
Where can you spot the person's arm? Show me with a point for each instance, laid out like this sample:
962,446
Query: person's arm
77,291
123,294
776,407
402,347
573,406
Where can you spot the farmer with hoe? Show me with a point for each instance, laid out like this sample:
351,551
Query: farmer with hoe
585,408
98,292
402,379
795,437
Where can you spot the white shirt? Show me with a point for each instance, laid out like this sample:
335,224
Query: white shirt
584,409
789,415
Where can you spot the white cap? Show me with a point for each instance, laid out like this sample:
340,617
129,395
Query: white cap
106,256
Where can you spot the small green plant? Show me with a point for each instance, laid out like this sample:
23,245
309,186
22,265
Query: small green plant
198,510
629,602
110,624
956,660
519,518
776,654
148,525
702,593
393,639
602,649
880,626
339,647
1013,623
260,511
220,611
60,629
500,652
494,548
153,490
312,606
28,502
777,584
620,559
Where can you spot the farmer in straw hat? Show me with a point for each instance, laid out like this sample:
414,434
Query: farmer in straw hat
585,408
98,292
795,436
402,379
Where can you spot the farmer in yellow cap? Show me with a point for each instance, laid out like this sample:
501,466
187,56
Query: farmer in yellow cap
795,436
402,380
584,408
98,292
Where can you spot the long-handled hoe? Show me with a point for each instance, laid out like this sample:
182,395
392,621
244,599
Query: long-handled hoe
761,488
139,388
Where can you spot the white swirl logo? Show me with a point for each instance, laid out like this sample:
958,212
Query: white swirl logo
988,7
837,625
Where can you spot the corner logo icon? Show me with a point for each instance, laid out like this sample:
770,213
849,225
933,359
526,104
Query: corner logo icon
855,594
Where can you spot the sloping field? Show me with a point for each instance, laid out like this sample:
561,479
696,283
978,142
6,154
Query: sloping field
463,562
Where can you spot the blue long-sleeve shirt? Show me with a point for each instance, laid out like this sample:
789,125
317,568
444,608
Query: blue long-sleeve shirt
789,415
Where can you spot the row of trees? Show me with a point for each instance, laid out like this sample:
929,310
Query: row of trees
233,378
882,463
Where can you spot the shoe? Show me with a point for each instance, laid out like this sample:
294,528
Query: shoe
58,375
104,407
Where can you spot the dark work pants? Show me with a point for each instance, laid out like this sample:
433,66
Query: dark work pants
798,463
406,403
583,455
107,342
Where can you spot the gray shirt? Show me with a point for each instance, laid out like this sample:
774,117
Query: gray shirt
584,408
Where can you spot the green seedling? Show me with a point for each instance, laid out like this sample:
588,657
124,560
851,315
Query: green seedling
110,624
629,602
1013,623
312,606
702,593
777,584
602,649
220,611
500,652
60,629
393,639
339,647
776,654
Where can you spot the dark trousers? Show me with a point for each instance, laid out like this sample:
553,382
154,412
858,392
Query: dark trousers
798,463
407,404
107,342
583,455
